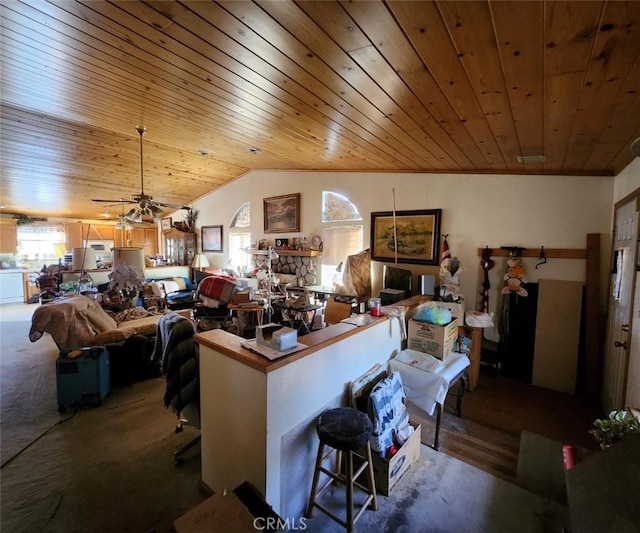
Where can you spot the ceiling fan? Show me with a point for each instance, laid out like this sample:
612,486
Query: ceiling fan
123,222
147,209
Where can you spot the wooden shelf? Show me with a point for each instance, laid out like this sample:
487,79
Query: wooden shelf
550,253
301,253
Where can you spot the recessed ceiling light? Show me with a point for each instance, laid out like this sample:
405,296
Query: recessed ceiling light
255,150
203,153
531,158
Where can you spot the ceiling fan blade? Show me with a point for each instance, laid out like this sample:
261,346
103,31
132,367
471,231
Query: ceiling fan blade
173,206
120,201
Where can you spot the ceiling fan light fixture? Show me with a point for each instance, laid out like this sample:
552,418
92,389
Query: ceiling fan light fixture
124,224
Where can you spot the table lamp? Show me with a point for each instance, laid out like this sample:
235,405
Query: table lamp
131,255
200,261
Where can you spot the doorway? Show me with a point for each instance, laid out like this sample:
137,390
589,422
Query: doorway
622,357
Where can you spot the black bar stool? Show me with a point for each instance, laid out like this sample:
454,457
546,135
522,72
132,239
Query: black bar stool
344,429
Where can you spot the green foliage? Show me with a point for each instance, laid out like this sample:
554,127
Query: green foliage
608,431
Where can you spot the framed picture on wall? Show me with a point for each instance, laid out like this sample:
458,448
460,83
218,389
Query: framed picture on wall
282,214
415,236
166,224
211,238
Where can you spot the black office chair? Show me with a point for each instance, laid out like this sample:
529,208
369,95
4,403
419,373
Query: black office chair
178,354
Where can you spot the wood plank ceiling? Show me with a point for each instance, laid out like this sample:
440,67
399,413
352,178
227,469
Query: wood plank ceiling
461,87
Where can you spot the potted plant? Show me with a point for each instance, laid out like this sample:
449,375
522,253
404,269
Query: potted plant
608,431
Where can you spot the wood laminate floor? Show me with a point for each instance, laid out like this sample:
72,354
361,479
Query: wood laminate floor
494,415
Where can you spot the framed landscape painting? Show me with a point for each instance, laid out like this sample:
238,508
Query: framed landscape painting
282,214
415,238
212,238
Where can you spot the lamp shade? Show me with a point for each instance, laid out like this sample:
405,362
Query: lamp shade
84,259
130,255
200,261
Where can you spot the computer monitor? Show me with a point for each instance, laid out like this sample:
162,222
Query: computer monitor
397,278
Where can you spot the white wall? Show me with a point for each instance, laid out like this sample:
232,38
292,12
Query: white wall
627,181
477,210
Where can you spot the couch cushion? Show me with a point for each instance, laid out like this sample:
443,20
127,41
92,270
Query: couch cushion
141,326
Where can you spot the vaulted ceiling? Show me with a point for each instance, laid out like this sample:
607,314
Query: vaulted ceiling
226,87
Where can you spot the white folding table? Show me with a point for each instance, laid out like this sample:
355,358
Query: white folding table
427,380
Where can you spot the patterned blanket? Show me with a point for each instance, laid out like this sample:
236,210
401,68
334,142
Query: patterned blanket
216,290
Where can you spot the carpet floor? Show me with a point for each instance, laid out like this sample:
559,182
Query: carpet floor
110,468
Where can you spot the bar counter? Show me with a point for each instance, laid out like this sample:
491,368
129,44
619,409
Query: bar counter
258,416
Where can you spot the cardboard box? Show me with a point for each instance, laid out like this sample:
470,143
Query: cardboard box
429,338
184,312
389,472
243,297
217,513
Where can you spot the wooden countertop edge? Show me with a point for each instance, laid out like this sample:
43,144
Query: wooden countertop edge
230,345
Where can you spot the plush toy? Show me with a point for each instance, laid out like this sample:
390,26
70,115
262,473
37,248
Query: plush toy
515,276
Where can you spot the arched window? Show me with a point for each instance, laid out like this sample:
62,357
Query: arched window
240,239
342,235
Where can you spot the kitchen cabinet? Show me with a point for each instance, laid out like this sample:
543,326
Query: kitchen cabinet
8,236
146,238
180,246
75,234
30,287
143,237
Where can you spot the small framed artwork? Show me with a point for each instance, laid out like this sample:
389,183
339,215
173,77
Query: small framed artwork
411,236
282,214
166,224
211,238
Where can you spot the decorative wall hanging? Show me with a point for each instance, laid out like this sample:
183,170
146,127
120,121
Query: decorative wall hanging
282,214
414,238
211,238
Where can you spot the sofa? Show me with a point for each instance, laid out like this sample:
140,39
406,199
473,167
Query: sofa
176,292
78,321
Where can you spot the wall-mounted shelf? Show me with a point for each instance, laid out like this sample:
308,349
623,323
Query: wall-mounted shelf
301,253
551,253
